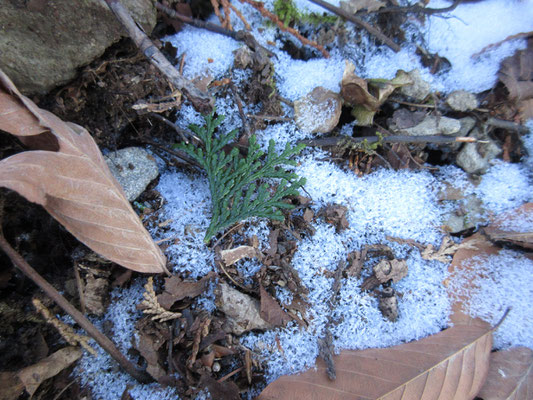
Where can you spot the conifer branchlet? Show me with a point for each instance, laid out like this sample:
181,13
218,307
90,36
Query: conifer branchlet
237,184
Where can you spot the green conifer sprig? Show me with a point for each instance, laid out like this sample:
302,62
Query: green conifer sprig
237,184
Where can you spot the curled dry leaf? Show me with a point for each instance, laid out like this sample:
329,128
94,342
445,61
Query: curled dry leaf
73,183
510,375
366,96
452,364
231,256
386,270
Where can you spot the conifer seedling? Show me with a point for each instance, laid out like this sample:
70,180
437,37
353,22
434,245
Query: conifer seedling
241,186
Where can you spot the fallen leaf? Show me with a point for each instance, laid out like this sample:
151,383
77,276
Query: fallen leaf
366,96
319,111
231,256
510,375
447,248
226,390
176,289
271,310
52,365
73,184
515,226
11,385
452,364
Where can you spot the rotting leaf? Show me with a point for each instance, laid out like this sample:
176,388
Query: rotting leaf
226,390
52,365
366,96
510,375
454,361
271,310
73,184
150,305
446,250
514,226
387,270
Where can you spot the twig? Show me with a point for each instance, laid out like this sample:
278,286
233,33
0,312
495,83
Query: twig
269,118
245,124
406,103
79,283
177,153
201,101
241,36
259,6
172,125
520,35
347,140
352,18
419,9
91,330
500,123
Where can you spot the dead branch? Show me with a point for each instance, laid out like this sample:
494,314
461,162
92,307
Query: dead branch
201,101
102,340
241,36
339,141
259,6
419,9
352,18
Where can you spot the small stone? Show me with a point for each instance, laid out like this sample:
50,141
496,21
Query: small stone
475,158
419,90
134,168
319,111
461,100
432,126
467,124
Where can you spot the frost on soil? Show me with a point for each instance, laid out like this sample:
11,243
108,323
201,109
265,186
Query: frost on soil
385,203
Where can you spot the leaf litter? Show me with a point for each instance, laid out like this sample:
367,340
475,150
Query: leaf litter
365,210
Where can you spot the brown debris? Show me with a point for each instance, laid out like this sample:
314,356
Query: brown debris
271,310
388,304
231,256
446,250
176,289
150,305
335,214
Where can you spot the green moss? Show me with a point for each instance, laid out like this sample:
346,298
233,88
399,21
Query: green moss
289,14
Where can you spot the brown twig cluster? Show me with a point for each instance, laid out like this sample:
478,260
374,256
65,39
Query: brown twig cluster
259,6
225,20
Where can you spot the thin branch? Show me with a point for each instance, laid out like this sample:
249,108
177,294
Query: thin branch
241,36
347,140
352,18
500,123
259,6
419,9
245,124
201,101
91,330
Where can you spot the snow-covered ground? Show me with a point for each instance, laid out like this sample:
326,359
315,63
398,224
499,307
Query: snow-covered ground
402,204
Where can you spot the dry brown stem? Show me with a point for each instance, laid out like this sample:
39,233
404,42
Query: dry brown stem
151,305
259,6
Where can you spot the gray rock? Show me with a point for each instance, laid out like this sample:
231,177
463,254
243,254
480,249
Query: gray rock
432,125
461,100
134,169
468,213
42,43
475,158
419,90
467,124
319,111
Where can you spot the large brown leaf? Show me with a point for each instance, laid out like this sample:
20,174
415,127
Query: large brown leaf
510,375
73,183
452,364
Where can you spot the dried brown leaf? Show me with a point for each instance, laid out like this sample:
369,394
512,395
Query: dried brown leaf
73,184
513,226
452,364
516,72
510,375
151,306
52,365
177,289
446,250
386,270
271,310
